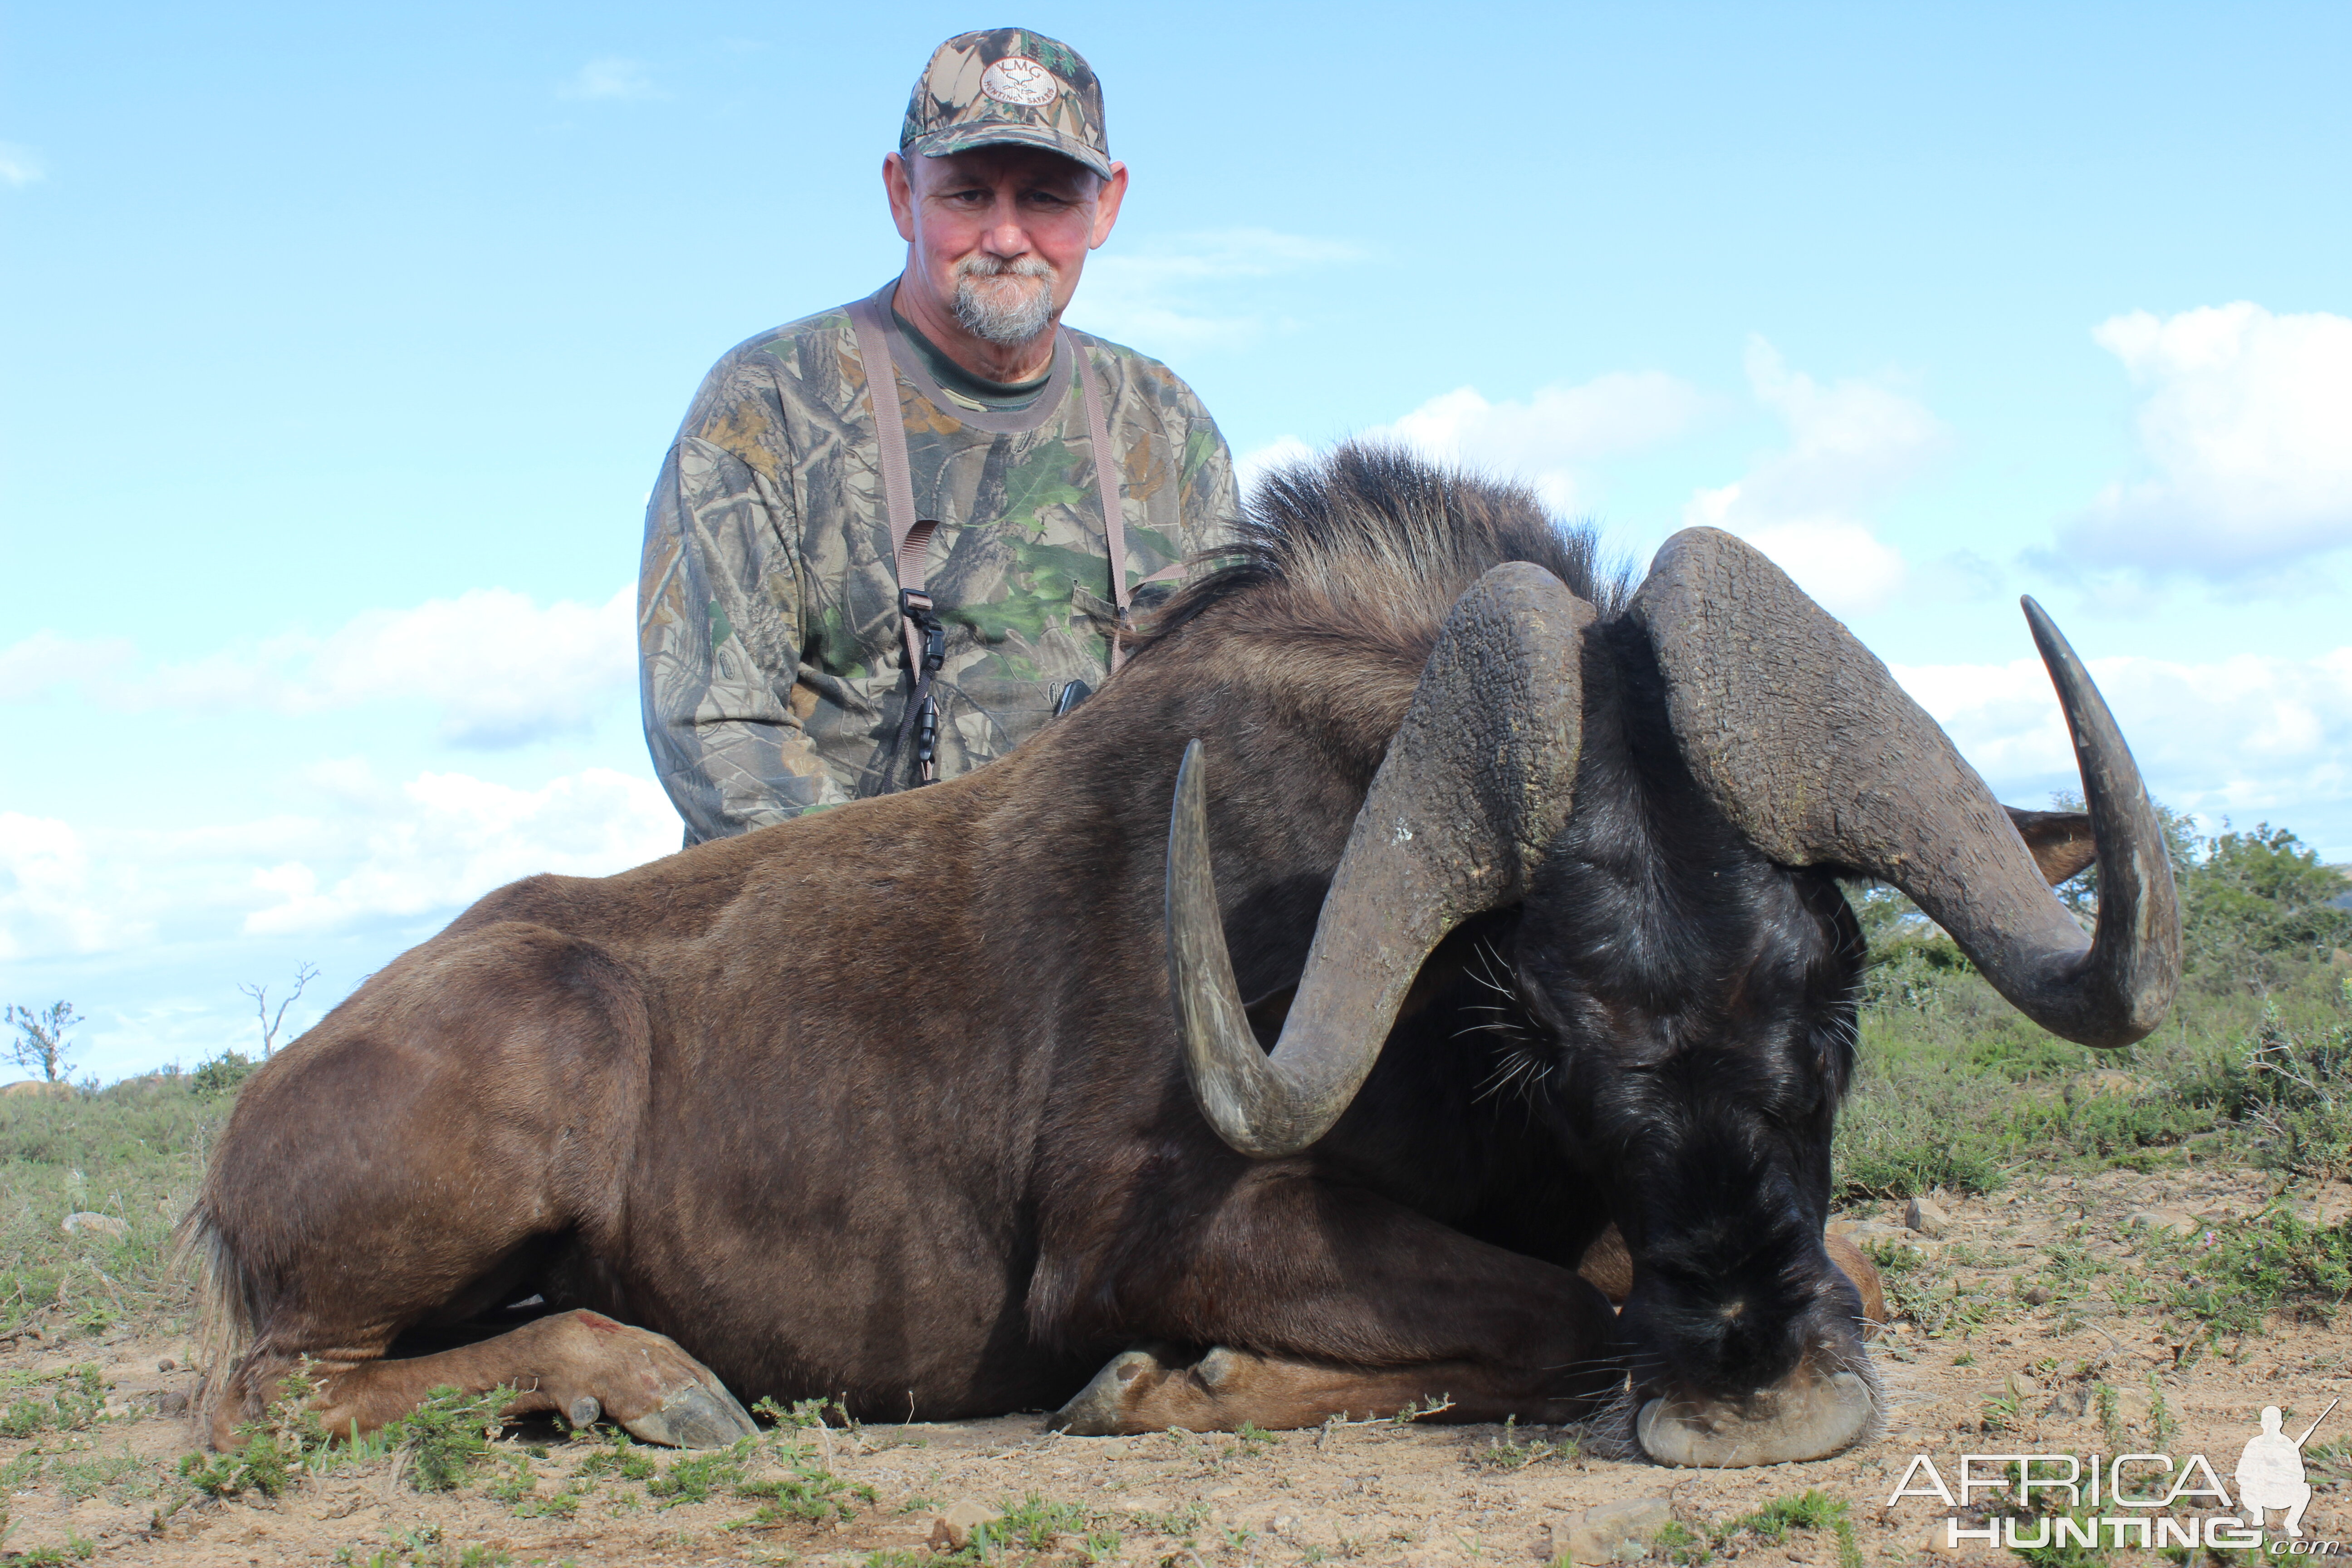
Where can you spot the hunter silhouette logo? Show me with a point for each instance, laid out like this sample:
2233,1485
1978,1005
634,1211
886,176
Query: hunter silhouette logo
2151,1501
2269,1472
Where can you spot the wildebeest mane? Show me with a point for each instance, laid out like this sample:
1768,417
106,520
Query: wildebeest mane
1372,543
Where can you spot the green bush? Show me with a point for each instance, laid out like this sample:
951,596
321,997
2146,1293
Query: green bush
2257,907
221,1075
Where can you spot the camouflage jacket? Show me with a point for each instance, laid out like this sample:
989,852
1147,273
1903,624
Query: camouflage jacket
772,670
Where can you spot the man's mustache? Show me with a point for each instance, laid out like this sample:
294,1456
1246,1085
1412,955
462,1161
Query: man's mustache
1004,267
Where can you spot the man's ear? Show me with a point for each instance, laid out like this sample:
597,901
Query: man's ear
2059,840
898,185
1107,200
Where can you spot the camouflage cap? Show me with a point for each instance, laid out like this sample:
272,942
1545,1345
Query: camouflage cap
1007,85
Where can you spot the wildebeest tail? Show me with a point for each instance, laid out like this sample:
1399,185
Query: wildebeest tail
226,1312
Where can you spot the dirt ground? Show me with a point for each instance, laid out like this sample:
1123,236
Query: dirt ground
1378,1493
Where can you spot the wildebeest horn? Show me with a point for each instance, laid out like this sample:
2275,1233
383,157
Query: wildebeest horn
1477,780
1805,742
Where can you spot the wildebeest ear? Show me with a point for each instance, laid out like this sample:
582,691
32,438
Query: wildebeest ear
2059,840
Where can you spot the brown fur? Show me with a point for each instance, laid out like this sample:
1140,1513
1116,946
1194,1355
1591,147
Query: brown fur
885,1103
843,1105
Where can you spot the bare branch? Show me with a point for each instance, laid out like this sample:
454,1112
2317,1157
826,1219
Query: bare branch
270,1022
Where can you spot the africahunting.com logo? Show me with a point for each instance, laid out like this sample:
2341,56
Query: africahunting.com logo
2144,1501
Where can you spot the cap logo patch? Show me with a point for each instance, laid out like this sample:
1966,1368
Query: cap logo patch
1018,80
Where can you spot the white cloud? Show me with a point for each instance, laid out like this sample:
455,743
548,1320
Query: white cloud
1251,466
1557,431
442,840
19,165
500,669
44,876
372,855
612,78
2246,425
1178,293
2247,736
1851,444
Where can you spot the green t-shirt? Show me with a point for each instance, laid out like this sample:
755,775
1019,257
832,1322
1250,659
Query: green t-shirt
958,382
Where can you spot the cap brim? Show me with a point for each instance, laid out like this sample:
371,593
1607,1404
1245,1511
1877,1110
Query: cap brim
964,138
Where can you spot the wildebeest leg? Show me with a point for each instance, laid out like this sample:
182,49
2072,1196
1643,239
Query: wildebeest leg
1153,1389
1319,1299
579,1364
424,1155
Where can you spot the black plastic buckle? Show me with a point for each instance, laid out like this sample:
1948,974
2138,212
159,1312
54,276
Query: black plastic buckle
916,605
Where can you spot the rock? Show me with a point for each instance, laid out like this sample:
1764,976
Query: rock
951,1531
1939,1538
2072,1399
1926,1216
2132,1406
167,1364
1617,1531
83,1222
38,1088
1862,1233
2037,1296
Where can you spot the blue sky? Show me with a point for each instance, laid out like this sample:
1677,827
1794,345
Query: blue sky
342,346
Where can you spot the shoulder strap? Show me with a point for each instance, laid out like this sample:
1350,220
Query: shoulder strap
910,539
1107,468
910,536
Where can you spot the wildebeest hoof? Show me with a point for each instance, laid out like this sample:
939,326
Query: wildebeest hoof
694,1418
1774,1428
1105,1406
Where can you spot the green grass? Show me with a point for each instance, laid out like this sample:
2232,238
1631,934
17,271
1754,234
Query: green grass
1811,1513
133,1151
1953,1088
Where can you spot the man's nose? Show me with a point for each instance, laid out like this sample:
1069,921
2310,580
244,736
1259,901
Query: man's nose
1005,236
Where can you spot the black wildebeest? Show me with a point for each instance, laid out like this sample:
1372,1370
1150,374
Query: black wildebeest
953,1102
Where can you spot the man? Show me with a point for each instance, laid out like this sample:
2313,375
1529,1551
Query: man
2269,1472
834,604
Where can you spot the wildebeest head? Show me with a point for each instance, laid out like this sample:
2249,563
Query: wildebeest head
1668,798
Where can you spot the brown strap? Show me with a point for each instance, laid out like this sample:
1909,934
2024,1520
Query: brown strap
910,536
1106,481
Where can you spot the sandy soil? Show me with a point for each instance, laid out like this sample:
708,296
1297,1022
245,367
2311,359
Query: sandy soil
1375,1493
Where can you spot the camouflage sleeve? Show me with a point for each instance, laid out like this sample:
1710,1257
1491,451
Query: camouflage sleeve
718,631
1211,508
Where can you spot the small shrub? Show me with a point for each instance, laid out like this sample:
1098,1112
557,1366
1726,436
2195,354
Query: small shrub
810,1494
220,1075
622,1458
694,1479
1030,1525
1508,1453
2273,1261
448,1434
520,1482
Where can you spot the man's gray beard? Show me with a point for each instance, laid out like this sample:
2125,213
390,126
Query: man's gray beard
988,315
